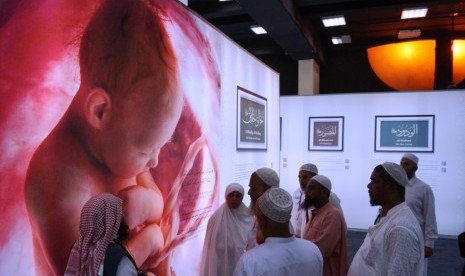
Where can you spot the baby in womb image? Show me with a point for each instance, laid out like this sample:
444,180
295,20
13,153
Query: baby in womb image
126,109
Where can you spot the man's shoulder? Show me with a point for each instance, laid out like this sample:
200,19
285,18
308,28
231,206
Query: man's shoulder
250,255
331,210
405,218
419,182
310,250
306,243
420,187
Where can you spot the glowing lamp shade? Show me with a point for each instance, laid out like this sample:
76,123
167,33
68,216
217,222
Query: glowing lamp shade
405,66
458,62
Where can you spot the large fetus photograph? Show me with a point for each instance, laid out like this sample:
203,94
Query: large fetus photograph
104,109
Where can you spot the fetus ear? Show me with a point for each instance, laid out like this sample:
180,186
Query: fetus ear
98,103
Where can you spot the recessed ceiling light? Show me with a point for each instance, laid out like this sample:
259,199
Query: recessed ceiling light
342,39
414,13
257,29
331,21
405,34
224,0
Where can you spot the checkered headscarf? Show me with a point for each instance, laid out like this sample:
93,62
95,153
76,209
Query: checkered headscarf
100,220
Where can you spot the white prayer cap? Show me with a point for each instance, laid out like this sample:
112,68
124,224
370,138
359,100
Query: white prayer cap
397,172
412,157
309,167
269,176
276,204
323,180
234,187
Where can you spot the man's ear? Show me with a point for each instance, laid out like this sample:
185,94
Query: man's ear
98,103
262,220
392,185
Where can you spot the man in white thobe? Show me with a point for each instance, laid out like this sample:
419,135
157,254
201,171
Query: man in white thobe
279,252
394,245
420,199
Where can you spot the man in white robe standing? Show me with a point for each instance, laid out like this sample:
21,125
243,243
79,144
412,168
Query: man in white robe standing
394,245
420,199
279,252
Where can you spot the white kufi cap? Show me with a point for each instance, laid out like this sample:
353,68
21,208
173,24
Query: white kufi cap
269,176
276,204
323,180
309,167
397,172
412,157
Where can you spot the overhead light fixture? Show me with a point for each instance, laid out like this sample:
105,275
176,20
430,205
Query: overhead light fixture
405,34
257,29
414,13
342,39
224,0
331,21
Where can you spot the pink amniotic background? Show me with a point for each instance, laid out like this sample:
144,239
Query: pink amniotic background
39,75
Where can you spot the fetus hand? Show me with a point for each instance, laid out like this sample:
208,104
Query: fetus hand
142,203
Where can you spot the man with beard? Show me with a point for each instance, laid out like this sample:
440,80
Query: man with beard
419,197
260,181
279,252
394,245
326,228
301,213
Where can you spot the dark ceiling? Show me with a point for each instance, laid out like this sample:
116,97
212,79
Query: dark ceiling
295,28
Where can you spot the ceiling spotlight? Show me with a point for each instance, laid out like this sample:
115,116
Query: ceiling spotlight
257,29
405,34
414,13
342,39
331,21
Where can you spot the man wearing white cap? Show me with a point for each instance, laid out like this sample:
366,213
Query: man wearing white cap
394,245
279,252
260,181
301,213
420,199
326,228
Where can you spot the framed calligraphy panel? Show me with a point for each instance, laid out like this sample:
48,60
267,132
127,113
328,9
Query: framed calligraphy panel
326,133
412,133
251,121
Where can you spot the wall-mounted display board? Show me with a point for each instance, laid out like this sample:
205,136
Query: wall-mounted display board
413,133
326,133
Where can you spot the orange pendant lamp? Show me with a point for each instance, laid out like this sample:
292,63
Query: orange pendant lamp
409,66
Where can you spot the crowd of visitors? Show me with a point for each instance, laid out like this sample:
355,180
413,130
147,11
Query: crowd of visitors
280,234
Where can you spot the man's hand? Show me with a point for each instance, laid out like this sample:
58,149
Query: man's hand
428,252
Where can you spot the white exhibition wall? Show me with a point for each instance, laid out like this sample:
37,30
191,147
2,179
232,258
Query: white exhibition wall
350,169
236,68
239,68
